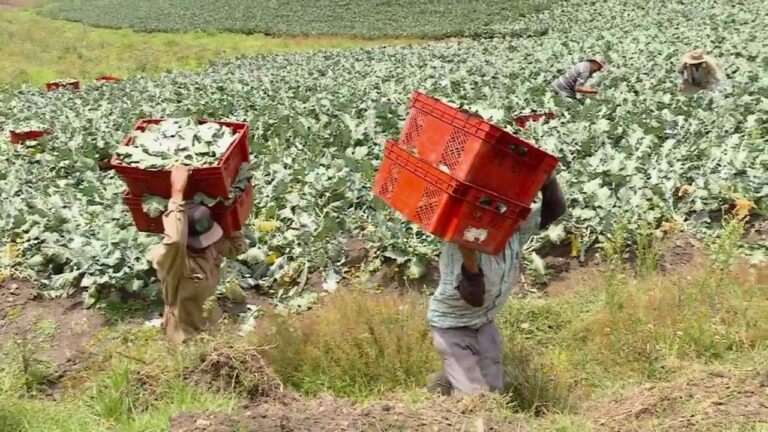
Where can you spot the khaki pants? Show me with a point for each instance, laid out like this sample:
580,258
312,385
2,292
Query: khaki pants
471,358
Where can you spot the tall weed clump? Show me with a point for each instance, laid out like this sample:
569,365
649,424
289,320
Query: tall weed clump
632,323
358,345
701,312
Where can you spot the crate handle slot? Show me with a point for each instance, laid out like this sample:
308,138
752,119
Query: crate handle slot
498,206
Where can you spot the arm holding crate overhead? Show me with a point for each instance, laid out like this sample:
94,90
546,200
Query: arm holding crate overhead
473,287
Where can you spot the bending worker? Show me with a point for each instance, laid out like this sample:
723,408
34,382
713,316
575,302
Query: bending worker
188,262
574,81
699,71
473,287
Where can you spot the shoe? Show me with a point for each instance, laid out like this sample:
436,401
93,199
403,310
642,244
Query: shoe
438,383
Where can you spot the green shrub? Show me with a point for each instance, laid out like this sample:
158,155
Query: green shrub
358,344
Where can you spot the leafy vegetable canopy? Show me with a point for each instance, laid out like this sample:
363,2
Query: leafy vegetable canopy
177,141
364,18
319,121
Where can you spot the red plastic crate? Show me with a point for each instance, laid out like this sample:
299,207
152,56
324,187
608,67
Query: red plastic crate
450,209
231,218
53,85
521,121
107,78
476,151
20,137
213,181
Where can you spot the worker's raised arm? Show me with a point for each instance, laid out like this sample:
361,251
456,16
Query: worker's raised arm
552,202
170,257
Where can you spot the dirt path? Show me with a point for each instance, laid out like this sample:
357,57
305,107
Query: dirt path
705,401
714,400
58,328
294,414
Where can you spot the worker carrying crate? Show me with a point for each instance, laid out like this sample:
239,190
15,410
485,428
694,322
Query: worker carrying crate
470,183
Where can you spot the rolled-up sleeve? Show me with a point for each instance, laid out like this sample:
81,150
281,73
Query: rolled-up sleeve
170,257
232,246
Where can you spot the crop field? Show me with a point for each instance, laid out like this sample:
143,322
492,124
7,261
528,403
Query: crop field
619,342
319,120
362,18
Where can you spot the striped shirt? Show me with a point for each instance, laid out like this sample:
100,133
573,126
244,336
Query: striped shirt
577,76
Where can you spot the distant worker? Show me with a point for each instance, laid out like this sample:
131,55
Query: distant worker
574,81
699,71
188,262
473,287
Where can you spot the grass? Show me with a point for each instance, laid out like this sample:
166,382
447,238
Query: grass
635,326
35,50
129,380
637,349
357,345
45,328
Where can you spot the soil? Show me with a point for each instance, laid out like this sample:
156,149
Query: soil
757,233
60,328
680,250
714,400
290,413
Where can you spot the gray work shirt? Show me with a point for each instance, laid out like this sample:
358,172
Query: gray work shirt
446,307
576,76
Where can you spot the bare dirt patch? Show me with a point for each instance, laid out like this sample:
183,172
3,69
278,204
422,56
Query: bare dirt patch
680,250
757,233
293,413
707,401
59,327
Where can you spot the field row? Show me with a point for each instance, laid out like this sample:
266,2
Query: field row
319,122
362,18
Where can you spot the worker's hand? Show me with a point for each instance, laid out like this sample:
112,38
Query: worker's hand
472,287
552,202
179,177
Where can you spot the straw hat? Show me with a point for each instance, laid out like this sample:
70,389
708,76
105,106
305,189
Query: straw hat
599,60
697,57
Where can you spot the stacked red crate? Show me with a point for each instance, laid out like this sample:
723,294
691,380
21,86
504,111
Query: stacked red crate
214,181
460,177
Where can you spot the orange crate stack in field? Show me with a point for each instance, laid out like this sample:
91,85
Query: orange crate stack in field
460,177
212,181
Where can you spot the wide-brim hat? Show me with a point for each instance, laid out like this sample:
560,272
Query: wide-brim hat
599,60
202,230
697,57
